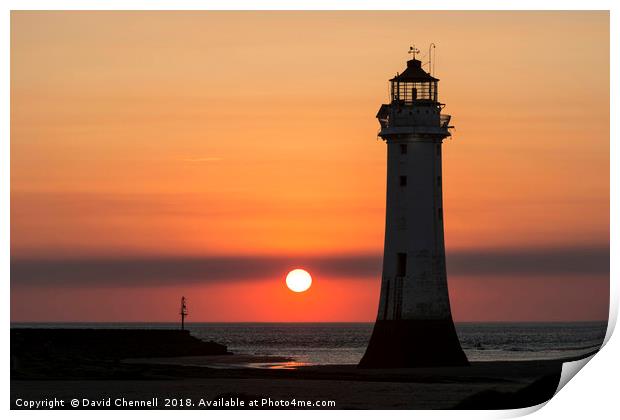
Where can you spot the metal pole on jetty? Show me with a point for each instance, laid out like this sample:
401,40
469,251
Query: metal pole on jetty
183,312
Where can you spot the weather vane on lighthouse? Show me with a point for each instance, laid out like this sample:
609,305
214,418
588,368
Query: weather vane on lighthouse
413,51
414,324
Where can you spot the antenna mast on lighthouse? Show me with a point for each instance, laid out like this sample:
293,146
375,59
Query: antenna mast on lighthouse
183,311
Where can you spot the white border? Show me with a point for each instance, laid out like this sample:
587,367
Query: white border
592,394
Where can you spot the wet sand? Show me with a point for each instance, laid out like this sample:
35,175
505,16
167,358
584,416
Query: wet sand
233,361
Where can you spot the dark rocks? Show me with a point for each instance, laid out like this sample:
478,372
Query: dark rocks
95,352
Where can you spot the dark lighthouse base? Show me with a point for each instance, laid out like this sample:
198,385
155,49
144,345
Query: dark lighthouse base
413,343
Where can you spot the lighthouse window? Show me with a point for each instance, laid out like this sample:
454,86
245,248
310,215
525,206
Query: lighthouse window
439,181
440,213
403,149
401,264
403,181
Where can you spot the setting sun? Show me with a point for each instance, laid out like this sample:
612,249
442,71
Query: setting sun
298,280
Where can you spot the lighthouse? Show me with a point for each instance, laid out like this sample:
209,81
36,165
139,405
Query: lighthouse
414,326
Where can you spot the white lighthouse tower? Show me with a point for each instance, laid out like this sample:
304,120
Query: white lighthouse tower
414,325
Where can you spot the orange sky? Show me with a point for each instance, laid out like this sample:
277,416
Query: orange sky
177,134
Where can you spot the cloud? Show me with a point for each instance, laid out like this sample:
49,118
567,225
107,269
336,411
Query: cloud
531,262
203,159
167,270
140,271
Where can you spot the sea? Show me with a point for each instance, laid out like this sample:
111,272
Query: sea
344,343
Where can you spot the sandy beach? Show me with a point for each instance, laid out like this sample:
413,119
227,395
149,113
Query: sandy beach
119,371
481,385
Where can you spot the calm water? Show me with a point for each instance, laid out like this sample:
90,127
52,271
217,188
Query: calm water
344,343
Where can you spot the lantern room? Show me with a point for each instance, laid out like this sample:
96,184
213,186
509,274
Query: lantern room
413,85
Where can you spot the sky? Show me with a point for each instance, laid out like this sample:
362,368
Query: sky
206,154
